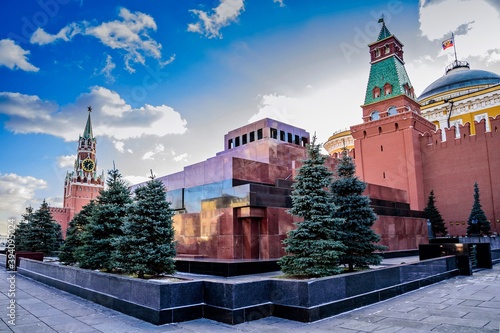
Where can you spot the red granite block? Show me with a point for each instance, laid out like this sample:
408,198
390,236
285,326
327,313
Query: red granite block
270,223
226,222
208,246
275,247
250,233
285,222
251,212
225,247
238,246
264,247
189,245
212,170
194,175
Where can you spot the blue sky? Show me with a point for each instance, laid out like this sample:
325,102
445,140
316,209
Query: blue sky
167,79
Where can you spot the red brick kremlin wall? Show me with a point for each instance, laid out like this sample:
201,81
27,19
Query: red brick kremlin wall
450,169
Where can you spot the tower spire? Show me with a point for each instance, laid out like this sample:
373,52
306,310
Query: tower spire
87,133
384,32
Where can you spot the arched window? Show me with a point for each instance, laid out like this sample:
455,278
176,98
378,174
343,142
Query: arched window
374,115
387,89
392,111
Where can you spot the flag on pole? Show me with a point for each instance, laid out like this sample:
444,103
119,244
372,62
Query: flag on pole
447,43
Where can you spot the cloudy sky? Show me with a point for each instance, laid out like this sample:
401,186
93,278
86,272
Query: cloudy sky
167,79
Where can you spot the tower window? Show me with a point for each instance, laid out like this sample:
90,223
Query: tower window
237,141
381,148
229,143
392,111
290,137
376,92
377,52
252,136
259,134
387,49
244,139
387,89
374,115
297,140
282,135
379,130
274,133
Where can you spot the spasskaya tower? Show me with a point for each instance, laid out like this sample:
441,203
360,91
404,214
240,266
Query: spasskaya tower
83,183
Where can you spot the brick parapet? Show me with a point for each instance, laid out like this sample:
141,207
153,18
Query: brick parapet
433,139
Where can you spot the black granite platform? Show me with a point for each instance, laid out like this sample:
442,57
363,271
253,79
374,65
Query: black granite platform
235,301
237,267
226,268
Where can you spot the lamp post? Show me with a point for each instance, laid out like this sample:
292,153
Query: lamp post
429,229
474,227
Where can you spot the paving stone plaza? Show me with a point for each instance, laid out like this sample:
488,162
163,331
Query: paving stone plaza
461,304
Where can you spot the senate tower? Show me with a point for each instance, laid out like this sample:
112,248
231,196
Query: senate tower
83,183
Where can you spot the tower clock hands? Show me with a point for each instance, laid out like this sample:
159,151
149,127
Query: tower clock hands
88,165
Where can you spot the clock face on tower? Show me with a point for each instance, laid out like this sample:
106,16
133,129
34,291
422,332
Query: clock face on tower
88,165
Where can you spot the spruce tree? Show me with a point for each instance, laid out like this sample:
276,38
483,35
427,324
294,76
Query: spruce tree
23,230
106,224
354,207
147,245
313,247
477,223
74,240
40,233
432,214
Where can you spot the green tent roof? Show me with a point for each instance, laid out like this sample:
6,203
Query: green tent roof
390,70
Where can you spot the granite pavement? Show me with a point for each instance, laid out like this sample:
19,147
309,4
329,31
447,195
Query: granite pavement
461,304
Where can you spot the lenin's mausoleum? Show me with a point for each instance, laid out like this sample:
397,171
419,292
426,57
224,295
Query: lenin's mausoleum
233,205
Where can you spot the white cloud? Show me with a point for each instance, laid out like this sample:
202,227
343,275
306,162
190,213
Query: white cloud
194,27
108,68
323,110
66,161
27,107
119,146
40,37
181,158
111,116
13,56
55,201
130,34
470,20
132,180
210,24
150,154
280,2
17,193
278,107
